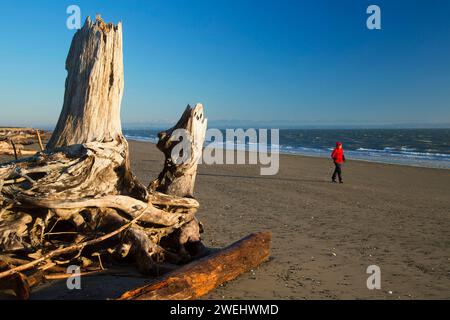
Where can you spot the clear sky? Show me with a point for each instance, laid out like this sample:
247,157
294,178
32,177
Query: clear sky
298,61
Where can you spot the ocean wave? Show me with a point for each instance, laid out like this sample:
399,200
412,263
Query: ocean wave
394,151
401,154
141,138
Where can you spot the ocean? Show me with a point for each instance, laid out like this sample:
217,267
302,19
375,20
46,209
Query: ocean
416,147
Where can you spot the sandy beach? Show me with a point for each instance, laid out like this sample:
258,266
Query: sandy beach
325,235
91,209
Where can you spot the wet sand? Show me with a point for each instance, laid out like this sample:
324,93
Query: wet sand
325,235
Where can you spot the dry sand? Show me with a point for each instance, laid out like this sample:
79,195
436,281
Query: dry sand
325,235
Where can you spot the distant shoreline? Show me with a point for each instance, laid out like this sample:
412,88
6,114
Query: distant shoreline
325,157
372,156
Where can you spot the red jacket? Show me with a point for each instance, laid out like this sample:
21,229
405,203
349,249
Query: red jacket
338,153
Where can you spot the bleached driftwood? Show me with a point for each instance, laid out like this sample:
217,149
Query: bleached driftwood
179,178
94,87
22,136
78,198
197,278
12,149
13,140
55,204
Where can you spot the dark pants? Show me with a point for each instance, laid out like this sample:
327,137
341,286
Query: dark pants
337,171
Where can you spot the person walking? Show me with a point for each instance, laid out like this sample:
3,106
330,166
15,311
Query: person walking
338,158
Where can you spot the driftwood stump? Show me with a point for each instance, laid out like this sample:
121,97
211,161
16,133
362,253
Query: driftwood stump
178,179
79,196
94,87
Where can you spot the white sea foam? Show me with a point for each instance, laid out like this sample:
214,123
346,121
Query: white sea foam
398,155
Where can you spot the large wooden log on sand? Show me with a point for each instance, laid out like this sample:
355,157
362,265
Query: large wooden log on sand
197,278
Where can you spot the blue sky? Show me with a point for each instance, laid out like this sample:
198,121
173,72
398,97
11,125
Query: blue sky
267,61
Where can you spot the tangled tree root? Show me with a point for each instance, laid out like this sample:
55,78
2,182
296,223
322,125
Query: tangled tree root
78,201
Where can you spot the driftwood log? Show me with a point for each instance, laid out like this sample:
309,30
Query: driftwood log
197,278
12,149
22,136
14,140
79,197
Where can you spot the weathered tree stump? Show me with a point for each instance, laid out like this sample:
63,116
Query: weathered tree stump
78,198
54,205
94,87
